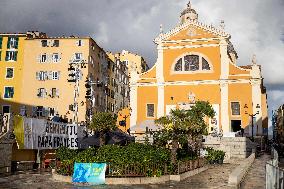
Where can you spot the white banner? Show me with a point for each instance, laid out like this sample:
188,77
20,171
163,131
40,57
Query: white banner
42,134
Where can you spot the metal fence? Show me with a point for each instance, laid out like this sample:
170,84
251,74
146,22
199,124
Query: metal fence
141,170
274,177
274,174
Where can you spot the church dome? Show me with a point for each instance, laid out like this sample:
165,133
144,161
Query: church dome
188,14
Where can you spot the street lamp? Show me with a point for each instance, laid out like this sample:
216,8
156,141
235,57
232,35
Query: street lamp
252,115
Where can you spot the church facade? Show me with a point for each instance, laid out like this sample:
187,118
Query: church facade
198,62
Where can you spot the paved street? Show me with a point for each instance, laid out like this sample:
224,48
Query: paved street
215,177
256,176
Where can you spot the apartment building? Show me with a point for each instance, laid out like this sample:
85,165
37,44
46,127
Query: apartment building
133,62
36,76
118,85
11,74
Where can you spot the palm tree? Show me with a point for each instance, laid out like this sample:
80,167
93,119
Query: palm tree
186,122
103,122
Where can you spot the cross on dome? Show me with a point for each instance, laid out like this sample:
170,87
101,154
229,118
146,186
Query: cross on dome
188,14
189,4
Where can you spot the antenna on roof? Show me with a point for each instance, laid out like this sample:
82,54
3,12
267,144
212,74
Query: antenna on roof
189,4
253,59
222,24
161,28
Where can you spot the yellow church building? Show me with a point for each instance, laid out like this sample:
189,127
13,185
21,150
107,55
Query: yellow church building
198,62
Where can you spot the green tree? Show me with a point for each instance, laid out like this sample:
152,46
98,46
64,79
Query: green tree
190,123
103,122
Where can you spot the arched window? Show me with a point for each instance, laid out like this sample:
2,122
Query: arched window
205,64
191,63
178,65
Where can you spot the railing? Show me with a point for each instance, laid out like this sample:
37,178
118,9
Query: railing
136,170
185,166
141,170
274,174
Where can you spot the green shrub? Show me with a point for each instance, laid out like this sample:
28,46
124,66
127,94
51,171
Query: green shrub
144,156
64,153
214,156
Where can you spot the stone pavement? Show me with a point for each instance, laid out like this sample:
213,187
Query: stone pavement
255,179
215,177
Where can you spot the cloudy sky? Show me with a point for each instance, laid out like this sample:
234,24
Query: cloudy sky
256,27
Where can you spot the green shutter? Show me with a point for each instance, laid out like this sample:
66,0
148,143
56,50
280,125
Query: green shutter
6,58
8,42
17,42
16,54
1,38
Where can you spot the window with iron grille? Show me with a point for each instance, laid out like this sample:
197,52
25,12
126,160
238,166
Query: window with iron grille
191,63
11,55
235,108
12,42
150,110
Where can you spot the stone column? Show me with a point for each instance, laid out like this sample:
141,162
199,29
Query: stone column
224,86
160,82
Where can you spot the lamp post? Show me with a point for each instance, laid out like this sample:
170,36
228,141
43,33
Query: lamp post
252,115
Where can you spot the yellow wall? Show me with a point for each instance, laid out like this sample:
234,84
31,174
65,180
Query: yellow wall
16,81
146,95
171,56
241,93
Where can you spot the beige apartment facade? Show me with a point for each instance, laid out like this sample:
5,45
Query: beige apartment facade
46,90
134,62
118,85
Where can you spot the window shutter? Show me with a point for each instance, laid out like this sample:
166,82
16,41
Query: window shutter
8,42
58,75
15,57
17,42
38,58
50,75
37,76
1,39
45,75
44,93
34,111
48,58
7,56
57,92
